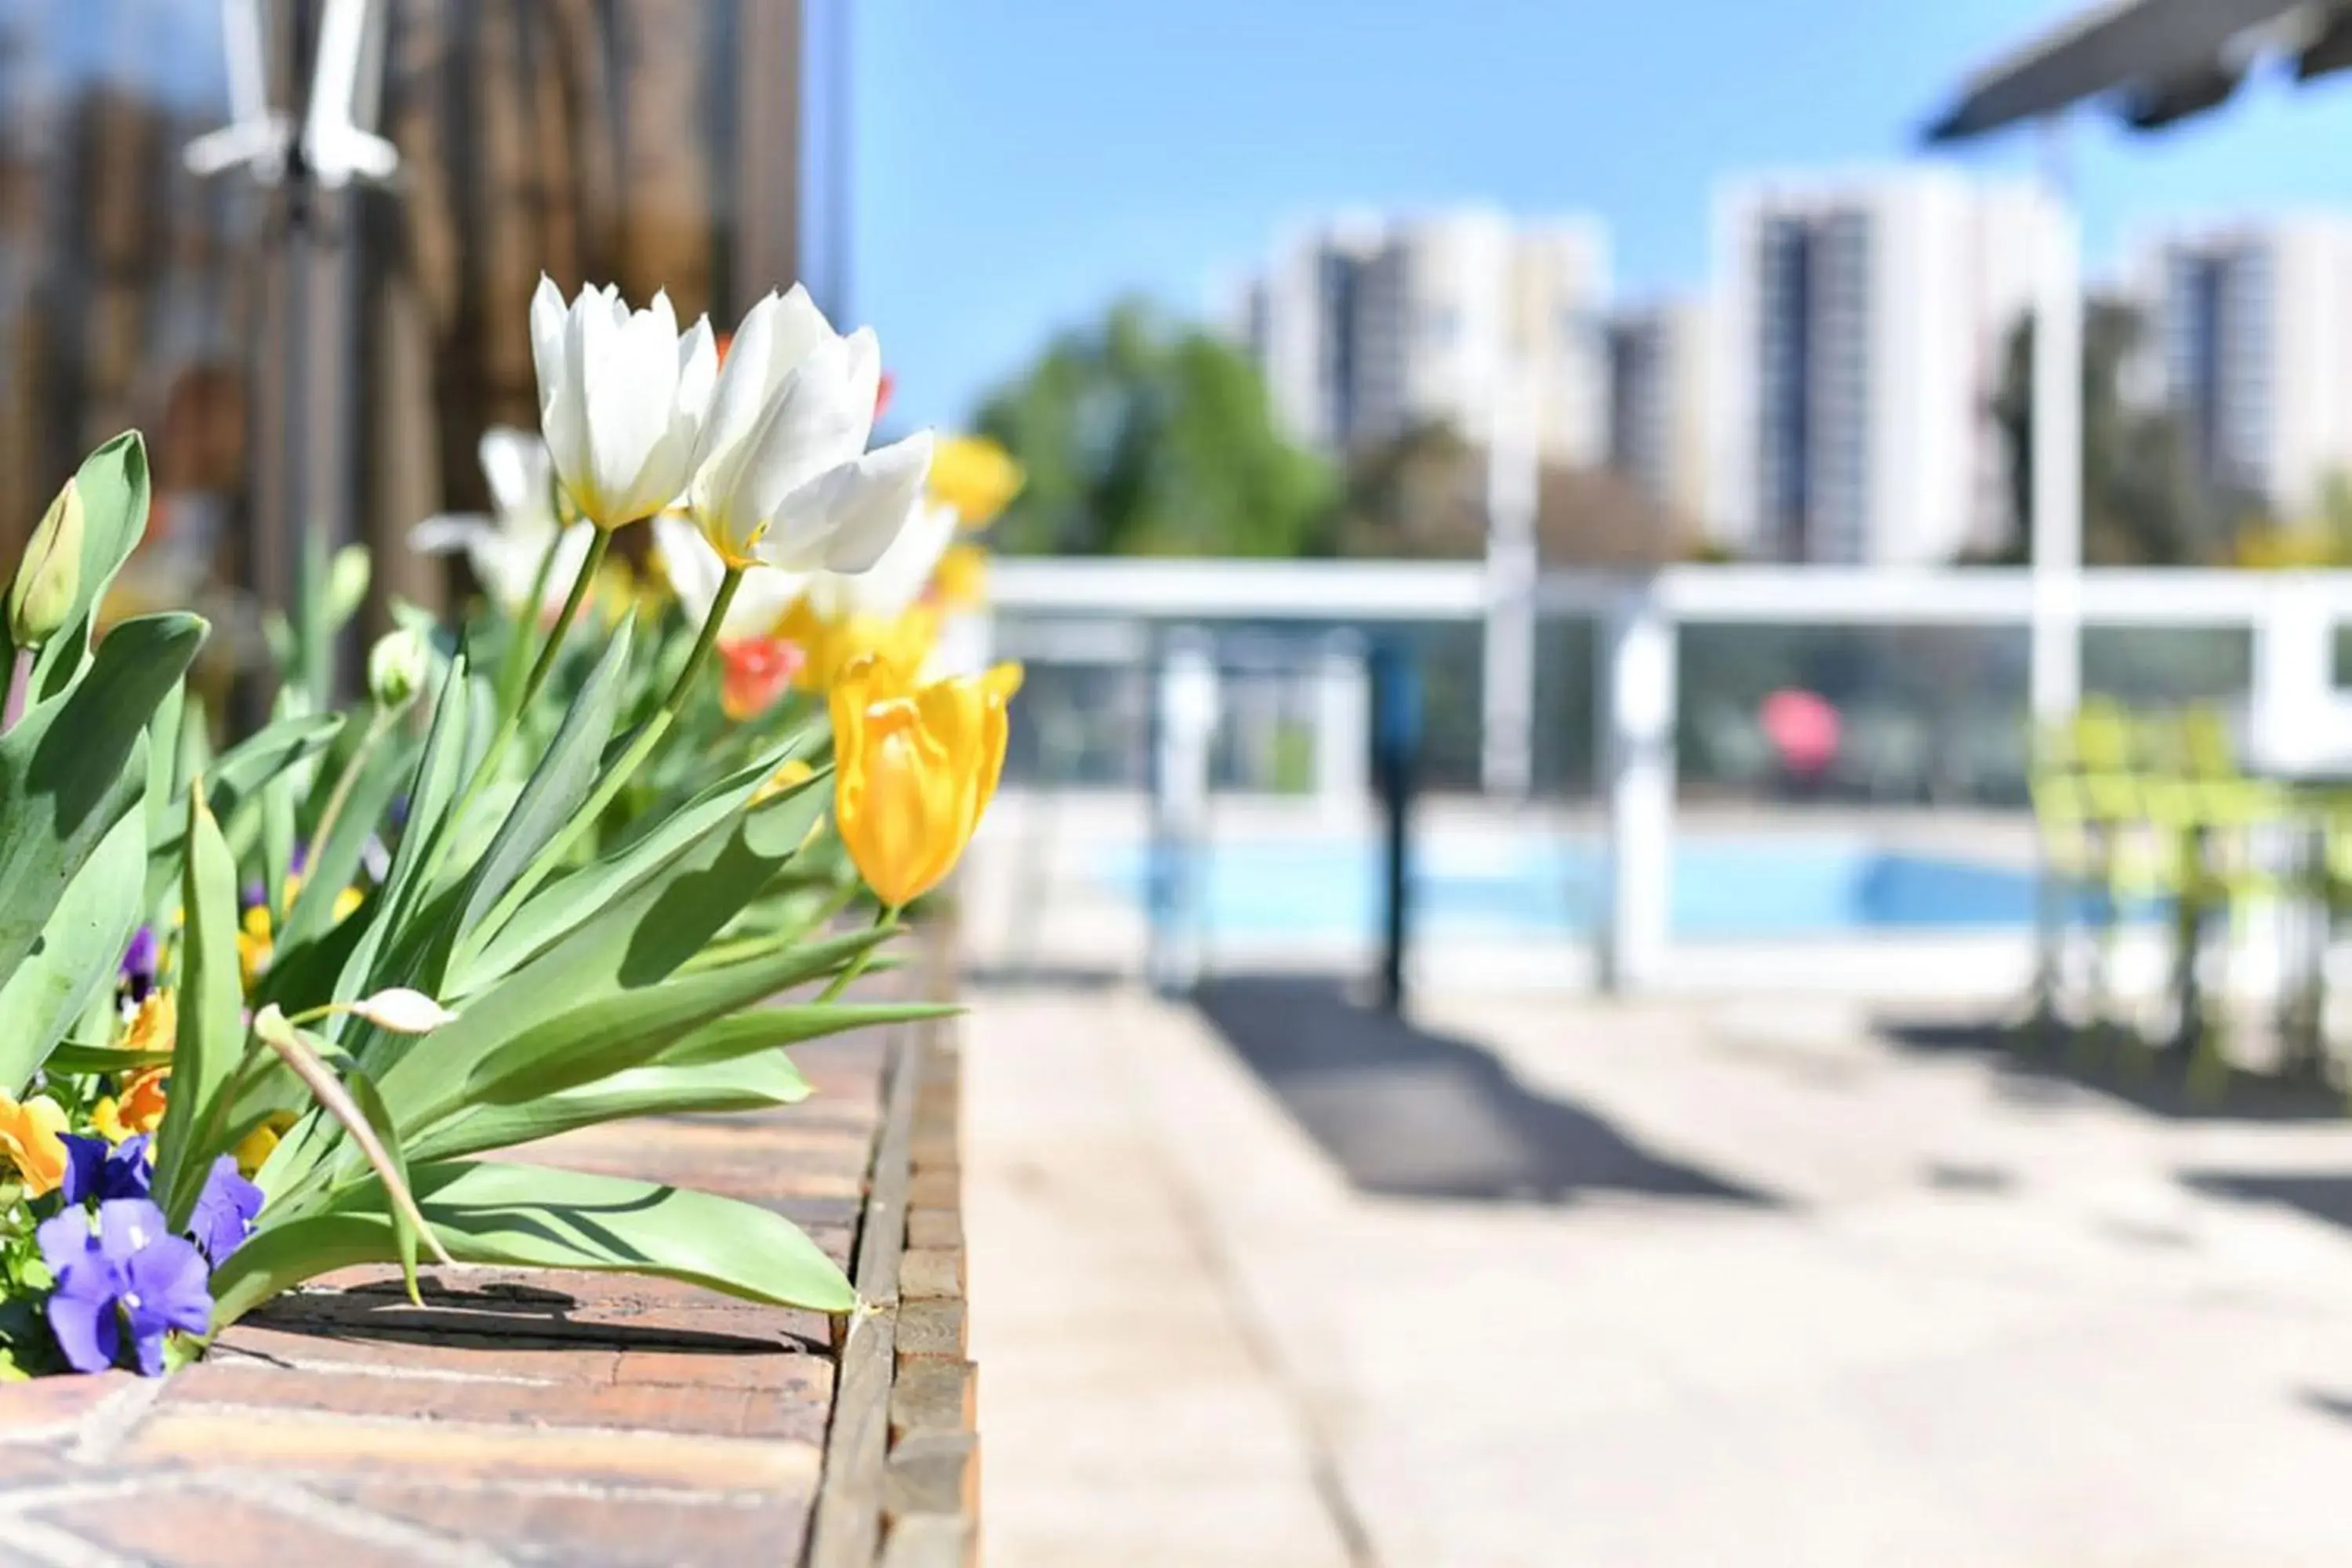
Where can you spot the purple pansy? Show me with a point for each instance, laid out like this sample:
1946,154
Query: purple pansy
224,1210
128,1271
139,961
94,1170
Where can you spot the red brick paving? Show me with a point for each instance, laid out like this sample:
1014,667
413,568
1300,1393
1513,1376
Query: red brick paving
534,1418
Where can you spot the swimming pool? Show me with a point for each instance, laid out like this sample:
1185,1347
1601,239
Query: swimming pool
1727,888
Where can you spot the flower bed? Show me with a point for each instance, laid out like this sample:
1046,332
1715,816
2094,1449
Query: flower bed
565,1417
272,1006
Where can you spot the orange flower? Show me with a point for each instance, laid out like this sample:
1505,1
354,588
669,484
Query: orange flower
754,673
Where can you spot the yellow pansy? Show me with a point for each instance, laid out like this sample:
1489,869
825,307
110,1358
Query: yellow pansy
257,1145
914,768
32,1138
960,579
155,1026
253,945
976,477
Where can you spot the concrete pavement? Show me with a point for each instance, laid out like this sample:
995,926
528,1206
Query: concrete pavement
1885,1305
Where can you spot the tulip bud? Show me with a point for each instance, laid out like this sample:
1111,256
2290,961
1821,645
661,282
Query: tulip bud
49,578
395,668
404,1012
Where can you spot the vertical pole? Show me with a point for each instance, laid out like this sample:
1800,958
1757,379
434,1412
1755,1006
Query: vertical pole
1637,705
1505,756
1185,719
2057,444
1396,739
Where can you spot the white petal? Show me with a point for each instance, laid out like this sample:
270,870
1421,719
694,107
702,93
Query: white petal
760,601
693,568
813,425
514,465
630,379
547,318
845,519
447,531
888,506
742,392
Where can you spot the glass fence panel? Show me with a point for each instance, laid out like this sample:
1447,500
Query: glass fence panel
2169,666
1875,715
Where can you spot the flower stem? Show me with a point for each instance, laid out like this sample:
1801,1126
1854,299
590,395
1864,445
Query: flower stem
628,763
510,716
856,966
20,683
589,564
350,774
511,668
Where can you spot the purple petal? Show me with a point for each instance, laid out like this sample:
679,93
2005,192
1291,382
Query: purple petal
128,1226
84,1177
224,1210
66,1240
87,1332
129,1172
168,1286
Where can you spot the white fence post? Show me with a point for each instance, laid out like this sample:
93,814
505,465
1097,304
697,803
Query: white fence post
2057,499
1187,701
1343,724
1514,475
1637,706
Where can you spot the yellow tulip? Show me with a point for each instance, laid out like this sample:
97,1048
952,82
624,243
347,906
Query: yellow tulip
903,641
914,768
960,579
976,477
32,1138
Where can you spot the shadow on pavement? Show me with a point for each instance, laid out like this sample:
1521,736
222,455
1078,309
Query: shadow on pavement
2317,1194
1408,1113
2155,1081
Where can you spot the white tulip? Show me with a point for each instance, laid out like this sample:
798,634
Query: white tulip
797,490
505,547
695,572
622,398
774,337
891,585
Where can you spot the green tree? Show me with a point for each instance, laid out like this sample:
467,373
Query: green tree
2143,504
1142,436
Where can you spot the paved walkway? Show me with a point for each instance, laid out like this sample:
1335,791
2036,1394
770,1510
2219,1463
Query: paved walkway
1553,1283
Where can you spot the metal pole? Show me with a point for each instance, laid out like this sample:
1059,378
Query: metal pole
1396,731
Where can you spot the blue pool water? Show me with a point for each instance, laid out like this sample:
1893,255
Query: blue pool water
1722,889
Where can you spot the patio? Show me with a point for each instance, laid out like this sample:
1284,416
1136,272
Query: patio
1554,1281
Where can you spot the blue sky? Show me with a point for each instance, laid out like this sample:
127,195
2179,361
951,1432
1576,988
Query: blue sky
1021,162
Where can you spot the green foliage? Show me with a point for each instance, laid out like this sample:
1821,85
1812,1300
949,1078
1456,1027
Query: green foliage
1141,437
2143,503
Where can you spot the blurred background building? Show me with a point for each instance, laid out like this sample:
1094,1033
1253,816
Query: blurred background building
1366,327
1860,338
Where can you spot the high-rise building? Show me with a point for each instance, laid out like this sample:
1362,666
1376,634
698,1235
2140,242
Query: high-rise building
1859,341
2252,345
1658,410
1366,327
